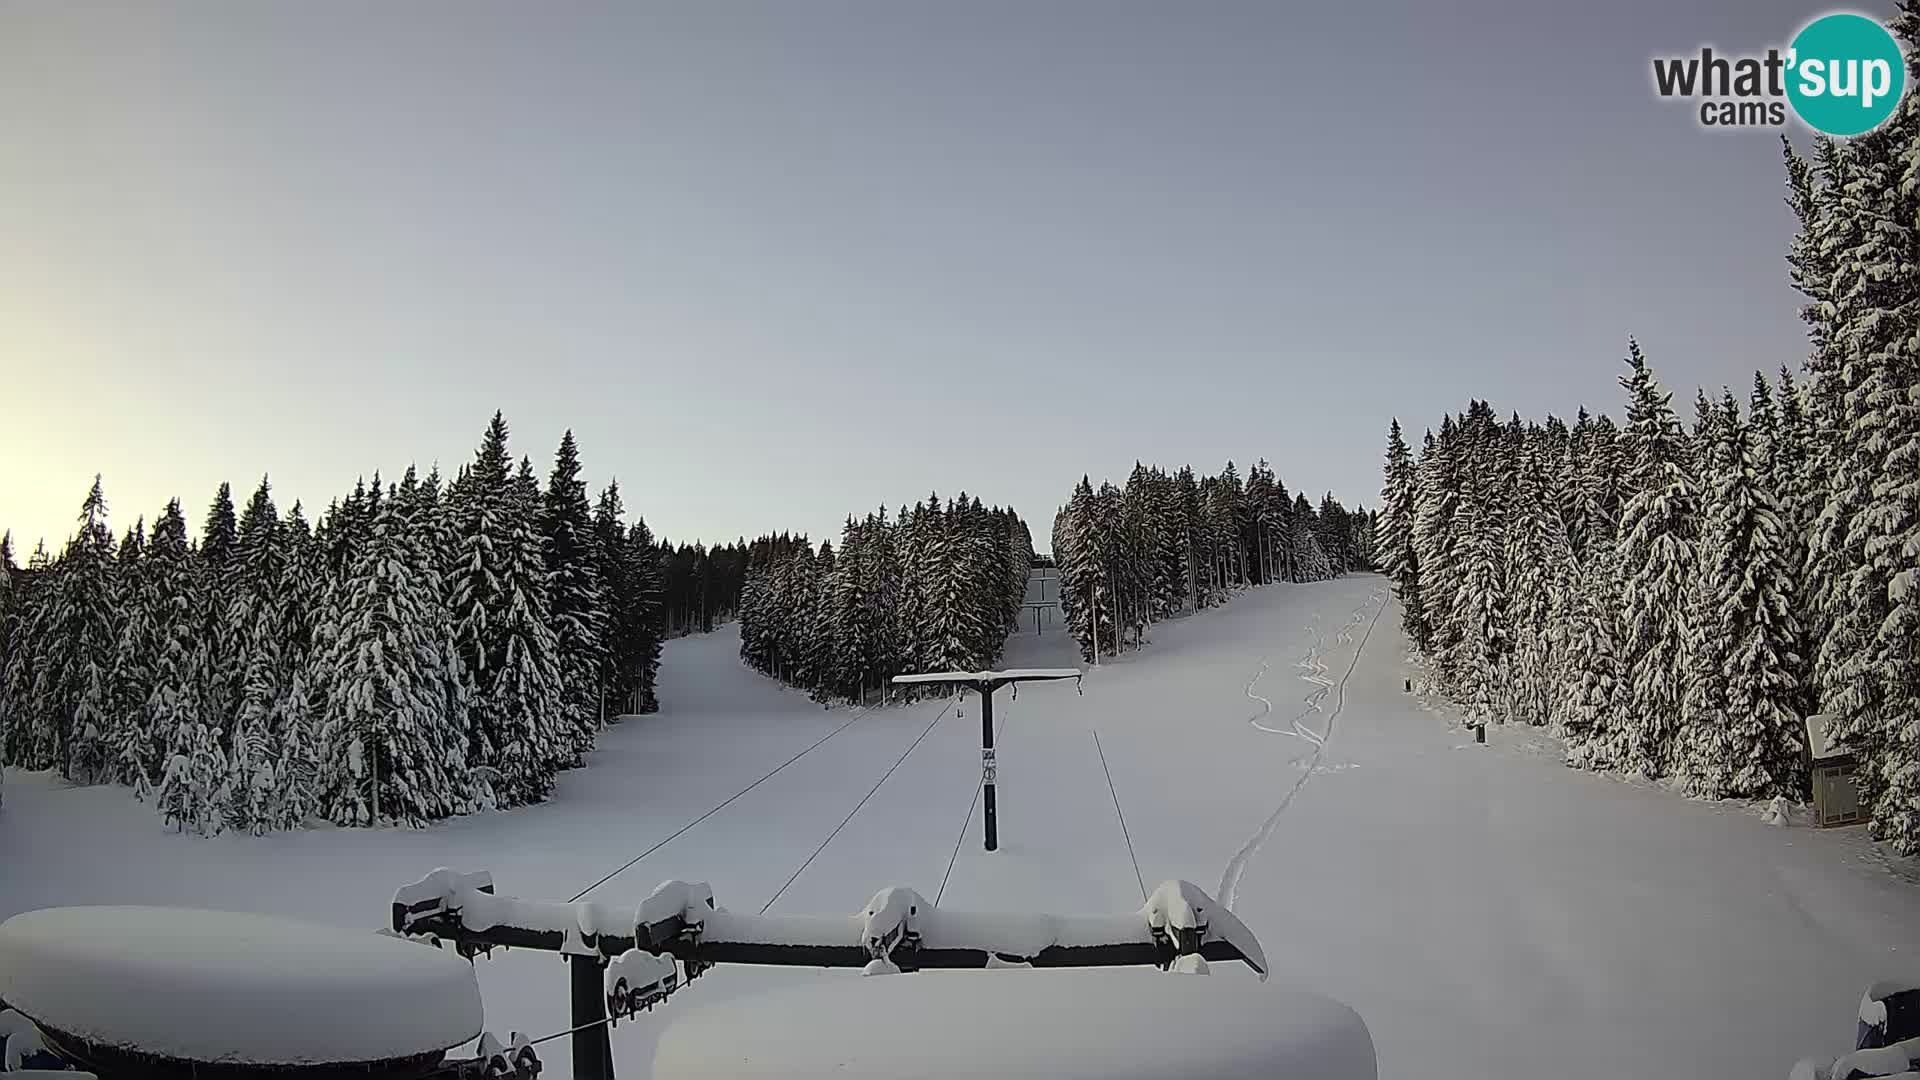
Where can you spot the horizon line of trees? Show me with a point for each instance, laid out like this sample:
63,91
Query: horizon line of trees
1169,543
424,650
937,588
1675,602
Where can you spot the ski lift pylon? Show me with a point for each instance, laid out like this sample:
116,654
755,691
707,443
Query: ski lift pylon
985,683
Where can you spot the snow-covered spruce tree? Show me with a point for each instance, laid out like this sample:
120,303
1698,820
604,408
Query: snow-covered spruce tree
952,618
132,750
499,602
882,572
1533,563
193,794
1597,694
1758,752
388,753
10,596
1436,503
620,570
81,644
225,656
1083,588
255,620
1868,235
27,737
643,616
173,711
577,613
534,670
1698,751
1659,530
845,604
821,649
1396,555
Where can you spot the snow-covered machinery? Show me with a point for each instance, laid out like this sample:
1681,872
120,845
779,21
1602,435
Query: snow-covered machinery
165,992
1886,1042
625,960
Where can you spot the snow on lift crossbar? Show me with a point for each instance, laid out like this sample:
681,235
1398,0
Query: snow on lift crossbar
985,683
625,960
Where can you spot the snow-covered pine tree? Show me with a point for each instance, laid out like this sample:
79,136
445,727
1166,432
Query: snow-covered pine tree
1397,558
1659,530
578,612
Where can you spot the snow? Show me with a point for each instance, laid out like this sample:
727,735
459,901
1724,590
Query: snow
1489,915
212,986
1122,1023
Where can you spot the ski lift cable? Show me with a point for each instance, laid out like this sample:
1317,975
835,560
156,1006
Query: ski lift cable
684,829
863,801
1121,814
967,824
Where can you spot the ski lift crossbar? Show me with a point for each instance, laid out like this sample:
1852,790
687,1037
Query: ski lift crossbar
622,960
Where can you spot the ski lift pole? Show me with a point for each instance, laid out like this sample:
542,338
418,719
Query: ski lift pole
985,683
988,768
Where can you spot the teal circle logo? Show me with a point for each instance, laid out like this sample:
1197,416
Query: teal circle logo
1845,74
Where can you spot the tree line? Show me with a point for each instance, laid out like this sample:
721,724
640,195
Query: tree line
425,649
1168,543
1674,600
937,588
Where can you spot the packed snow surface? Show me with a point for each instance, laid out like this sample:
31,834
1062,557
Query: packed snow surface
1120,1024
1490,913
215,986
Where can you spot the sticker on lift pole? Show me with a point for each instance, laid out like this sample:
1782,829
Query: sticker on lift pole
987,768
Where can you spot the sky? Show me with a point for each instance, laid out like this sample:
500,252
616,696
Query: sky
775,263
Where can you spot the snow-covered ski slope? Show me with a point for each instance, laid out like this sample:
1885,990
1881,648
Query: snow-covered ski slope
1490,913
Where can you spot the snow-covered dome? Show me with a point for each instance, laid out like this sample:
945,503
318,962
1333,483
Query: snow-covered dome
1071,1024
221,987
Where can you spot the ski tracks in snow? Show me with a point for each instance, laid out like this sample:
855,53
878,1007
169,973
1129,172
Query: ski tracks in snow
1314,666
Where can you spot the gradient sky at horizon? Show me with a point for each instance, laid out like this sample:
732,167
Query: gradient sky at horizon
778,262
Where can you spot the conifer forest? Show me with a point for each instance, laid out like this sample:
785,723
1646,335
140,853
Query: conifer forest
425,648
1673,596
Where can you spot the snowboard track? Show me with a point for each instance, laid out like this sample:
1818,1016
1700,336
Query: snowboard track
1316,666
